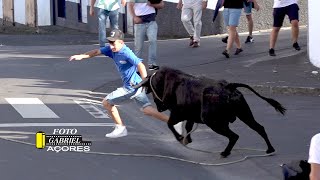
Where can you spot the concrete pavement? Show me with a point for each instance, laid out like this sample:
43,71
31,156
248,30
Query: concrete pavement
42,70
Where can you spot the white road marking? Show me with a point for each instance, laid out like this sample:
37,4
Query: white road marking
282,54
14,137
31,108
91,107
54,124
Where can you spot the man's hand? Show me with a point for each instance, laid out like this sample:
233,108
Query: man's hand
256,6
76,57
179,5
123,3
137,20
204,5
91,11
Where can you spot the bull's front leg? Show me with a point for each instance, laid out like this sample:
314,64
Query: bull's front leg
171,124
189,126
173,120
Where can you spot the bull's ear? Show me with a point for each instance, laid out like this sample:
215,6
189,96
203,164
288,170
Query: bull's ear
142,83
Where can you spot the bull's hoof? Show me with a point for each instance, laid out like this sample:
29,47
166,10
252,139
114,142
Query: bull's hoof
189,139
225,154
186,141
270,150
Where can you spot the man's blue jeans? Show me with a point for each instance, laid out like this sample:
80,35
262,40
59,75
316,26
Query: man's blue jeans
113,17
140,31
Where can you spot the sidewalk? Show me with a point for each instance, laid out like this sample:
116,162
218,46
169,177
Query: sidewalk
290,72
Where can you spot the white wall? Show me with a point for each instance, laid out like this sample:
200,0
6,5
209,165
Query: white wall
1,10
84,10
44,13
19,11
314,28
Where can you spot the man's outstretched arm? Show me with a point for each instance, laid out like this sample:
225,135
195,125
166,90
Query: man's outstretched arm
86,55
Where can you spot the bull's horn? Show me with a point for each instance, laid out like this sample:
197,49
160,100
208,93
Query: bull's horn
141,83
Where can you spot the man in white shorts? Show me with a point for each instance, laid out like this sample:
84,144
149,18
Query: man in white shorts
127,64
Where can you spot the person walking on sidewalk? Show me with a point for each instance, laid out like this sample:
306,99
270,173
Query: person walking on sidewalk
281,8
231,15
144,19
127,64
192,9
107,8
314,157
247,8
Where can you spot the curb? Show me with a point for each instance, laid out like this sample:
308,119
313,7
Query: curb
284,90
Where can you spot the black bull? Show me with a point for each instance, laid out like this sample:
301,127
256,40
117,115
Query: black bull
204,100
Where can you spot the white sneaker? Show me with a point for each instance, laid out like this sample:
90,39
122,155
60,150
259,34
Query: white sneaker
119,131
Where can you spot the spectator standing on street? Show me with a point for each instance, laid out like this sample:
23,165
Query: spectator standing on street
281,8
107,8
144,19
192,9
127,63
247,8
314,157
231,14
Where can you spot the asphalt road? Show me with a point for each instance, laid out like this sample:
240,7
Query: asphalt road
72,91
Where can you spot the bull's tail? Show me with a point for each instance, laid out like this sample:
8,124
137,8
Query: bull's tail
272,102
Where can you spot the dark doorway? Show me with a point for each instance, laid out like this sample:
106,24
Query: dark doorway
61,8
79,11
54,18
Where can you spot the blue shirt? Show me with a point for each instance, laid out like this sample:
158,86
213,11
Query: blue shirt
126,62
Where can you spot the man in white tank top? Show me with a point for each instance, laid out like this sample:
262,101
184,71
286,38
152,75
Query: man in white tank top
144,14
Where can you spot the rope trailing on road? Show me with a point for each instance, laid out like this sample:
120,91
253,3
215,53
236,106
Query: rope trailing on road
157,155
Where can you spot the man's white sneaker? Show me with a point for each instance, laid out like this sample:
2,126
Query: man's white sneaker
119,131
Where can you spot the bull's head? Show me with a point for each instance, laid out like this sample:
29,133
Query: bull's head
155,84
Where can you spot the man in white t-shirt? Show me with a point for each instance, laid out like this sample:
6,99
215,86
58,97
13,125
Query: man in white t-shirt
144,19
189,9
281,8
107,8
314,157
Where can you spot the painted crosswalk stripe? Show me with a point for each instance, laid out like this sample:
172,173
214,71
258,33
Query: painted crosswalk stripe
91,108
31,108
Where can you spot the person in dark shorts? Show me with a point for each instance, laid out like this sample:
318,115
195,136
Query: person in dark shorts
281,8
